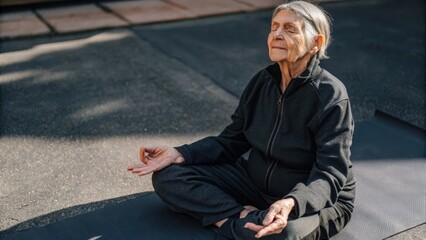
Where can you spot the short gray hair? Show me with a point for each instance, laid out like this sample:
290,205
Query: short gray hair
315,21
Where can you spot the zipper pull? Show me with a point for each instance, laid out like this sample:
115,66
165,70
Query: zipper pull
279,101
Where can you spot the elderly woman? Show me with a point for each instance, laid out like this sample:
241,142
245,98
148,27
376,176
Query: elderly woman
295,119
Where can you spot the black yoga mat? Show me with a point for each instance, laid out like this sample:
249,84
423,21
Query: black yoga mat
145,217
389,158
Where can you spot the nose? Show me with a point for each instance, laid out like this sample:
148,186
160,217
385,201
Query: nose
279,34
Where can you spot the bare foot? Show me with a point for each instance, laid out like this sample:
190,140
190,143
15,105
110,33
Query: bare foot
247,209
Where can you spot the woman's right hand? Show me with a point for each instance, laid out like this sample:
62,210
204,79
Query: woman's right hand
154,159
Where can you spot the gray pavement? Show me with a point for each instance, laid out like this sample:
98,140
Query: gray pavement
75,112
75,108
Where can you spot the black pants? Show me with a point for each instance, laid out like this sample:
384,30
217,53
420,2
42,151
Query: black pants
211,193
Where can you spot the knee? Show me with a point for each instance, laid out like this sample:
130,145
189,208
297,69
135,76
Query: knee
168,179
302,228
161,178
291,231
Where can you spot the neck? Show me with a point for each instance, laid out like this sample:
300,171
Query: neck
290,70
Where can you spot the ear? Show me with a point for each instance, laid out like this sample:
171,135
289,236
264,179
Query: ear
319,40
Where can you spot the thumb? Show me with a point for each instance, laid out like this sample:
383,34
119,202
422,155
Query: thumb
142,155
270,216
254,227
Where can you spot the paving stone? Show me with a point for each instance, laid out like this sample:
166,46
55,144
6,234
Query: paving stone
79,18
211,7
262,4
271,4
138,12
21,24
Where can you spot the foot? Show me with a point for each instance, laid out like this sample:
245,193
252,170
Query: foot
234,228
247,209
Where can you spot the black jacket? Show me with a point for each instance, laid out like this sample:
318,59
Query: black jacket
299,140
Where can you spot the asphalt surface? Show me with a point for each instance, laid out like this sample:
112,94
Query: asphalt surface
75,108
76,111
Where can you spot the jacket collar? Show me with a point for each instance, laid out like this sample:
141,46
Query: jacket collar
312,71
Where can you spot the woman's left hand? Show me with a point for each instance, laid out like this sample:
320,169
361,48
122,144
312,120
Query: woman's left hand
275,220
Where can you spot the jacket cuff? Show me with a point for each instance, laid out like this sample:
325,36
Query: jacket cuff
300,208
186,153
295,211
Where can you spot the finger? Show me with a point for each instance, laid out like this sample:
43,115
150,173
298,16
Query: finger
142,155
131,167
151,149
274,227
138,170
264,231
146,171
284,215
271,233
253,227
270,216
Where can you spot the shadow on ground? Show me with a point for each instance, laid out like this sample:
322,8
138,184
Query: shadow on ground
104,85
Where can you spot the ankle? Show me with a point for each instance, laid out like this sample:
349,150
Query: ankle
221,222
247,209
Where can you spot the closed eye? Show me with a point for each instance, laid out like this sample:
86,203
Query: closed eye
290,28
274,27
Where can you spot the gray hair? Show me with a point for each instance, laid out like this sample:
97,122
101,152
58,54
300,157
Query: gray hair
315,21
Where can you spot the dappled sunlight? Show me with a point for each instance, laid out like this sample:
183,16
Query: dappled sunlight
100,109
108,84
37,76
95,237
15,76
45,78
22,56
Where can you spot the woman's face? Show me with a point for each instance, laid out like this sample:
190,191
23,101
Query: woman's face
286,41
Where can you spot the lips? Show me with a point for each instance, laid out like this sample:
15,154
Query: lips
279,47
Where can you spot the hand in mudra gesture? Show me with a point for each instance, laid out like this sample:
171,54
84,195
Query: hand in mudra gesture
154,159
275,220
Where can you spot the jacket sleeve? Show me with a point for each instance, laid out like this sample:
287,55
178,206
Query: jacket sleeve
226,147
328,176
229,145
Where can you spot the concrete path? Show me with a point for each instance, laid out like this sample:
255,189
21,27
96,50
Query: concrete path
50,19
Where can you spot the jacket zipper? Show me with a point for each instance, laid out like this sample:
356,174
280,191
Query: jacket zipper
271,142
